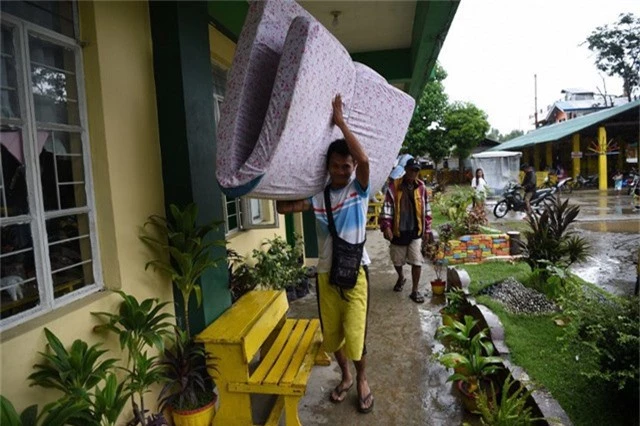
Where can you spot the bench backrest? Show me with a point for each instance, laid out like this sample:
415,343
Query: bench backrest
248,322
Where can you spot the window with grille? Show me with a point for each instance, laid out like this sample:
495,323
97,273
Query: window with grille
48,240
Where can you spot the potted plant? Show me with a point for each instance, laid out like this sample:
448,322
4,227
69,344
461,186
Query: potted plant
477,370
190,252
456,303
279,266
189,389
511,409
435,251
139,327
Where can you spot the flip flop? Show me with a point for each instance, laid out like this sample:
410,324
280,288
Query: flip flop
416,297
399,284
362,401
340,391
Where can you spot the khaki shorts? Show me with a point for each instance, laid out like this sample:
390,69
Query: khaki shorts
411,254
344,322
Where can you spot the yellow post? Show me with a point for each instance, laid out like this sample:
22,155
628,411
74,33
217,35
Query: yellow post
602,158
536,157
575,138
549,156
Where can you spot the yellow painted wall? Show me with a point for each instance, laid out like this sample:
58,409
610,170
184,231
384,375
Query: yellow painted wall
243,242
127,176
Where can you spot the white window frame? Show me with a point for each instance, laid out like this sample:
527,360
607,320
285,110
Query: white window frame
37,216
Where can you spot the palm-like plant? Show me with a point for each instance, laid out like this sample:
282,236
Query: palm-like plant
461,337
190,251
510,409
476,365
139,325
76,373
551,239
72,372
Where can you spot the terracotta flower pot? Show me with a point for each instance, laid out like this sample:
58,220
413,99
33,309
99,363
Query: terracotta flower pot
438,286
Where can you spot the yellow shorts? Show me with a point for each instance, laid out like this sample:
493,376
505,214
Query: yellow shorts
344,322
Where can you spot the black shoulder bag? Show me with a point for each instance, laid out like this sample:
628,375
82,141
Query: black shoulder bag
346,258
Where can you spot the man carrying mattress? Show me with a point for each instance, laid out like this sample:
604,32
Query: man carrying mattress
343,285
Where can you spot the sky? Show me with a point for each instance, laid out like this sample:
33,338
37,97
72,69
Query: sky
495,47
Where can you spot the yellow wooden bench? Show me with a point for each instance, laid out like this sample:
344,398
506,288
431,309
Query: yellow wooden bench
286,351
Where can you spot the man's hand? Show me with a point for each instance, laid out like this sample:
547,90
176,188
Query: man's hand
388,235
338,117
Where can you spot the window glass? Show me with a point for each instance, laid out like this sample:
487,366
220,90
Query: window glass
19,283
13,186
62,171
53,82
9,106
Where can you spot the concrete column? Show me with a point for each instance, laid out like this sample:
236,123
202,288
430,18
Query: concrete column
549,154
525,155
602,158
575,139
184,92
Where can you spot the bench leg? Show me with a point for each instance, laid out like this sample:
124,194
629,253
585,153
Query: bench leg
291,411
235,409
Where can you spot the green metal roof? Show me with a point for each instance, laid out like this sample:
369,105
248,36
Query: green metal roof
559,131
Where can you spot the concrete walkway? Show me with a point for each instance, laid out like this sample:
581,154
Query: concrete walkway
409,387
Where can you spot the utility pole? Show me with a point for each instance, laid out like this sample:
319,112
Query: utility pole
535,99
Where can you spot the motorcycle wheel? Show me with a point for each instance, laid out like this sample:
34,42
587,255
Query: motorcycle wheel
501,209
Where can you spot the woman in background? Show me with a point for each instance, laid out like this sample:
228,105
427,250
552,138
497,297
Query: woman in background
480,185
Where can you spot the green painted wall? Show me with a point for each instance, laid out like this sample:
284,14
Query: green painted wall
187,132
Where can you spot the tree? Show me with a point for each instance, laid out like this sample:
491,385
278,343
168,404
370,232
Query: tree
511,135
617,49
425,134
466,126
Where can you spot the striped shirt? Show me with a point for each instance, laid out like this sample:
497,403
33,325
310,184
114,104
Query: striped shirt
349,206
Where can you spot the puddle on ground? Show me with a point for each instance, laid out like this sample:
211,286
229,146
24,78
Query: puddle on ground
614,254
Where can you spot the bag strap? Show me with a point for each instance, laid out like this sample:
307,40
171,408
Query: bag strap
327,206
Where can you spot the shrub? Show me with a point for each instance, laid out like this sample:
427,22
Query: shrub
455,206
609,328
279,266
550,239
510,409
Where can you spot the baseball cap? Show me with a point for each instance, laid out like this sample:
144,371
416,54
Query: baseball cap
412,164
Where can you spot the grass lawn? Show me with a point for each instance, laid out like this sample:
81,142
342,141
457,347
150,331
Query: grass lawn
534,345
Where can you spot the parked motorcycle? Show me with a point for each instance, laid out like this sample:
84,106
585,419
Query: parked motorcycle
512,199
588,182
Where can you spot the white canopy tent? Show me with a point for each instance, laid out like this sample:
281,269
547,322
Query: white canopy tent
500,168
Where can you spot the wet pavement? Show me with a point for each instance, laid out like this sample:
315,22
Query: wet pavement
408,385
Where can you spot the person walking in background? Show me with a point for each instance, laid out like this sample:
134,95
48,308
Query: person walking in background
529,185
343,311
617,181
405,221
480,185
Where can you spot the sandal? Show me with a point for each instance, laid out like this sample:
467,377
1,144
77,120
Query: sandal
362,402
341,392
416,297
399,284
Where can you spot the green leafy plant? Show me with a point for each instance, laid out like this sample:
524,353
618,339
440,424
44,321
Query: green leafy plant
190,251
435,250
470,353
456,301
139,325
240,281
608,328
279,266
186,368
554,281
462,336
550,239
77,373
60,413
510,409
